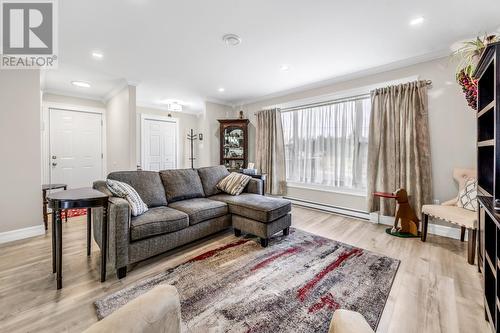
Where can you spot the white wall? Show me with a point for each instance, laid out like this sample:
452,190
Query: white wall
208,149
121,131
20,148
186,122
452,127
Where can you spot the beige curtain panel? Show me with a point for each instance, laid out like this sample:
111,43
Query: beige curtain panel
399,146
270,154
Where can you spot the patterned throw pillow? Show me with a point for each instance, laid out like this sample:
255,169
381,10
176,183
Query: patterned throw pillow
234,183
467,198
124,190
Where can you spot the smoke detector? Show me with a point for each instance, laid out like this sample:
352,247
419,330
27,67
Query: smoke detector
231,39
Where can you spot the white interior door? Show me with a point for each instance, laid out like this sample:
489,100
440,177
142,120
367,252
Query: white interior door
75,147
159,144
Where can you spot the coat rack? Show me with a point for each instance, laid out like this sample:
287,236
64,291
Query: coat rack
191,137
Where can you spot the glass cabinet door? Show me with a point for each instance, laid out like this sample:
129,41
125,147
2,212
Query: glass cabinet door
234,143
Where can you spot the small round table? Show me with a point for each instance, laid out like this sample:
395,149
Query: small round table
45,188
77,198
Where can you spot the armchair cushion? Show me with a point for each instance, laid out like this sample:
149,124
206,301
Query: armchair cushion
346,321
157,221
158,310
452,214
461,175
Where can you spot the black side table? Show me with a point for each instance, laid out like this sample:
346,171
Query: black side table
77,198
45,188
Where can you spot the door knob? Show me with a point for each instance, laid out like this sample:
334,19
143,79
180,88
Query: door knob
54,164
54,157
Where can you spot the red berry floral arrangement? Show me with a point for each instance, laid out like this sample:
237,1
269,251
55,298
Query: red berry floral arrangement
469,87
469,55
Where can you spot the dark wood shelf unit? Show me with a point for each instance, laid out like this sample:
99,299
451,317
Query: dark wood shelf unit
234,140
486,126
488,168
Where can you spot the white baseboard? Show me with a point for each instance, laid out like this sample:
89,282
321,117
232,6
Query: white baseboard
13,235
435,229
329,208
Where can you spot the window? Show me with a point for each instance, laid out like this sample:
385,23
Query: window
327,144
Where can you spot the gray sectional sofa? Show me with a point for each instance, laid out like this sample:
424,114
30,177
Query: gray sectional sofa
184,206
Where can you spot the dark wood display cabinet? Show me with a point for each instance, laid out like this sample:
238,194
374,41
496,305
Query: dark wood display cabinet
488,169
234,143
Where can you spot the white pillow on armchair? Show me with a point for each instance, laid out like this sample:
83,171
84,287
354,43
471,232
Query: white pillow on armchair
467,198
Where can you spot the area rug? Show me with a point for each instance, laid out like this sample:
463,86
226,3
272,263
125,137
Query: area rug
294,285
76,212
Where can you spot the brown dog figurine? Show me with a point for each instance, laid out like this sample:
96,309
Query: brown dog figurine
405,215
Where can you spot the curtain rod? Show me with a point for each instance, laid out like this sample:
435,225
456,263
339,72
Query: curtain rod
330,102
334,101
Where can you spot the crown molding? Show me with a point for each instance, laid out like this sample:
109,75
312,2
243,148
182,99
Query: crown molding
115,91
352,76
185,110
219,101
70,94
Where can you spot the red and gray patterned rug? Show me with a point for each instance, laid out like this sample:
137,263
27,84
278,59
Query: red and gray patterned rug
294,285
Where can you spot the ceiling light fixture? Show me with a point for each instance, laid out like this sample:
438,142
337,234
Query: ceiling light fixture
81,84
174,107
97,55
231,39
172,101
221,89
285,68
417,21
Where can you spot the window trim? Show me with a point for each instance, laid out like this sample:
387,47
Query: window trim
342,94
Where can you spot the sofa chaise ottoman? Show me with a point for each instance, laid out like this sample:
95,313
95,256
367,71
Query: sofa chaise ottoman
183,206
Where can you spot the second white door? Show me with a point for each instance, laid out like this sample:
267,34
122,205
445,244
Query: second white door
159,144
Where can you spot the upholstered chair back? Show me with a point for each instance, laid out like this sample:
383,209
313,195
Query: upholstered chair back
461,175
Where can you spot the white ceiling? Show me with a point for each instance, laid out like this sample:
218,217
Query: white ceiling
173,49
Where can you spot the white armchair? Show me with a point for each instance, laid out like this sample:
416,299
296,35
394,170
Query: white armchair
156,311
449,211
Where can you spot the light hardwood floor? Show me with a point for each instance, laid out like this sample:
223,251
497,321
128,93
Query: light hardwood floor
435,290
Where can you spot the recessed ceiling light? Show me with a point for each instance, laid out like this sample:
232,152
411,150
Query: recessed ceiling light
81,84
221,89
285,68
231,39
97,54
417,20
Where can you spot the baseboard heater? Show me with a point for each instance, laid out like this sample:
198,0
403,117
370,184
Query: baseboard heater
330,208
